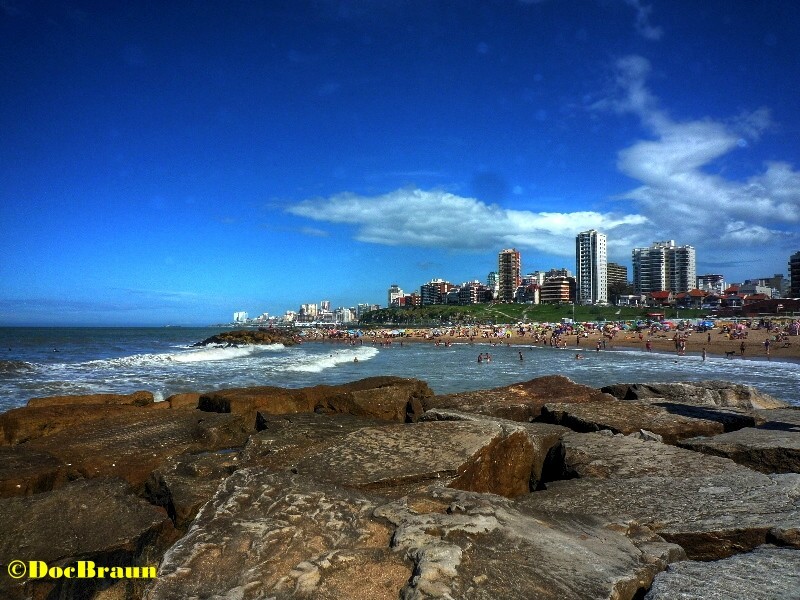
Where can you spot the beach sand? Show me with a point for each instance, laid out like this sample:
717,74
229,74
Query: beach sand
720,344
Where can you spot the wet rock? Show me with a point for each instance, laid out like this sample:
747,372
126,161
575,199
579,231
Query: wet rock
711,516
766,573
386,398
765,450
183,484
280,535
24,471
520,401
627,417
131,445
623,457
98,520
703,393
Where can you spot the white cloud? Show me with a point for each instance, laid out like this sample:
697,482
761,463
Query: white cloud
436,218
643,26
680,192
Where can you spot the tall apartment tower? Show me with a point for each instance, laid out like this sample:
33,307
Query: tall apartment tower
794,275
393,294
591,267
664,266
617,273
508,274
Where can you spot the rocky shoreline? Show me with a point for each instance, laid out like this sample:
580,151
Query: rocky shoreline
381,489
260,336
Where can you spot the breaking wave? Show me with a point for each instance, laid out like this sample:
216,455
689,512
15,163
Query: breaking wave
316,363
193,355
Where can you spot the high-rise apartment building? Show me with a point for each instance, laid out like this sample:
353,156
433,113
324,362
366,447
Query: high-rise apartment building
664,266
393,295
591,267
617,273
794,275
434,292
711,282
508,274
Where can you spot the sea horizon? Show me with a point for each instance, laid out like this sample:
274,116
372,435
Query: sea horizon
45,361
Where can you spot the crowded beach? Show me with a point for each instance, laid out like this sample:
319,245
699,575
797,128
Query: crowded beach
732,338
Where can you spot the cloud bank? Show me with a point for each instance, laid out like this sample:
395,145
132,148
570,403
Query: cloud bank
439,219
681,193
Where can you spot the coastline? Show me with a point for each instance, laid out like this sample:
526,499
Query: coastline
662,342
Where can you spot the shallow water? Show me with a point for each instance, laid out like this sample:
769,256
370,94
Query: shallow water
43,361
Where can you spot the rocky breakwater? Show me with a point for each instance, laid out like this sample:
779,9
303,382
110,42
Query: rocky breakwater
379,489
240,337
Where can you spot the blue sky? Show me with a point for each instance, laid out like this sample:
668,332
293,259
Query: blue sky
169,163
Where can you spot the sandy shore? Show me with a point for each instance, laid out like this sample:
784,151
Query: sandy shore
718,343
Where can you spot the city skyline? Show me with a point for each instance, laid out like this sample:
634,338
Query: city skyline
168,163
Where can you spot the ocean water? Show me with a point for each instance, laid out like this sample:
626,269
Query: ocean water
37,362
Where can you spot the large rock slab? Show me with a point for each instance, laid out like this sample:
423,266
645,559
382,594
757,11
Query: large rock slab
140,398
385,398
281,535
483,456
621,416
285,439
131,445
21,425
786,419
607,456
765,450
284,535
468,545
98,520
24,471
520,401
711,516
766,573
703,393
183,484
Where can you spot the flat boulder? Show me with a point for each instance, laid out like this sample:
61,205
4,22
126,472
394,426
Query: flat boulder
184,483
385,398
282,535
283,440
24,471
621,416
520,401
27,423
604,455
711,516
285,535
131,445
140,398
765,450
468,545
97,520
766,573
480,456
703,393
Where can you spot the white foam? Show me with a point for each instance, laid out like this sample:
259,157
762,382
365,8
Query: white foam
221,353
192,355
316,363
